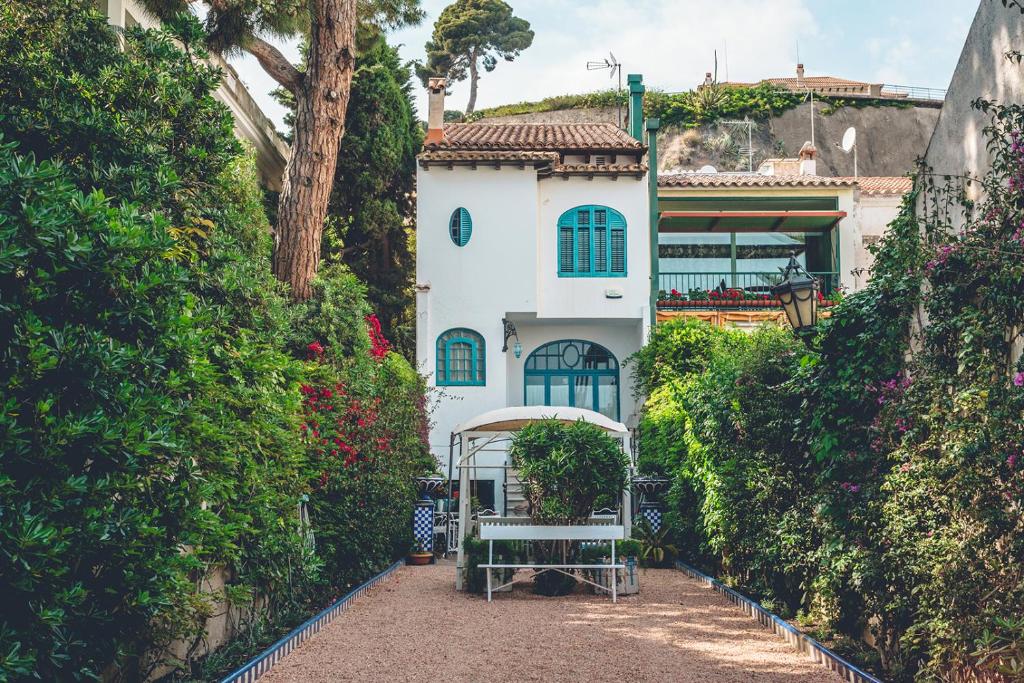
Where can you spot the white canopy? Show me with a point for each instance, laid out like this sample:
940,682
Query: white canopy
517,417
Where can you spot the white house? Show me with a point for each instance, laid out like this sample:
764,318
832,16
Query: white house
534,235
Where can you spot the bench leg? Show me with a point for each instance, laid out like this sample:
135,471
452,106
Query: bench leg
490,560
615,578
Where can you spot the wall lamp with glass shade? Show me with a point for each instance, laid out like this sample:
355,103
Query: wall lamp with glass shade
510,331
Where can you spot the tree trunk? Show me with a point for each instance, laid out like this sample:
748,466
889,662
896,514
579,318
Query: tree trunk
473,77
321,102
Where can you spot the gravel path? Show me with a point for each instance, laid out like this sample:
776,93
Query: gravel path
416,627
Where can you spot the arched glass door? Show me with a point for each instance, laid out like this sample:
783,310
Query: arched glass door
574,373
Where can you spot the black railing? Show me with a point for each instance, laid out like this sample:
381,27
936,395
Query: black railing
728,289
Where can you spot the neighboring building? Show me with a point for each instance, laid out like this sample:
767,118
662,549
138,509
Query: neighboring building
545,226
251,124
988,70
723,237
832,86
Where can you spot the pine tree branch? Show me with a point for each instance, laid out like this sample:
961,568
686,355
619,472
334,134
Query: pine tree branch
275,64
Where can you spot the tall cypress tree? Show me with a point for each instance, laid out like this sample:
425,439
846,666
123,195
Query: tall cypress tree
370,218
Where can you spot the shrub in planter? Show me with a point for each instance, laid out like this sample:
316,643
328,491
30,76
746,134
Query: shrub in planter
565,470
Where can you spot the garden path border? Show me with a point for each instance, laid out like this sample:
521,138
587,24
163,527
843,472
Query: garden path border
264,661
801,642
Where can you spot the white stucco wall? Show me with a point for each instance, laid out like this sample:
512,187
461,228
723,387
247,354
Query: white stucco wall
874,213
585,297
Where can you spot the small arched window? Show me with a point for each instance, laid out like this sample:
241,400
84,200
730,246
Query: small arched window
460,358
592,242
460,227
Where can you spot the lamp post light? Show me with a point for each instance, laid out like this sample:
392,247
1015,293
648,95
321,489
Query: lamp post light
798,294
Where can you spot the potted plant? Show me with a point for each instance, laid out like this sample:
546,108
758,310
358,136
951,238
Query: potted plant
419,554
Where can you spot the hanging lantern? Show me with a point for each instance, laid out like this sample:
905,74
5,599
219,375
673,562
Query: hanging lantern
798,294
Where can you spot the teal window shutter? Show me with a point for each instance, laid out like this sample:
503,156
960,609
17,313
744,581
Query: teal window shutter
460,227
592,242
460,358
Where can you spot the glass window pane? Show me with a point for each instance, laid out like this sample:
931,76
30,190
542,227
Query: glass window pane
607,396
584,392
559,390
534,391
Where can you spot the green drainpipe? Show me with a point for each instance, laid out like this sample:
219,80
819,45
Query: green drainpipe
652,188
636,106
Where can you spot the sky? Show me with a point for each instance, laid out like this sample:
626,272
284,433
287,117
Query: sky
673,43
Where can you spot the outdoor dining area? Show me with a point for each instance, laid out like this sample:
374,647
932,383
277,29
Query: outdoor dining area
570,508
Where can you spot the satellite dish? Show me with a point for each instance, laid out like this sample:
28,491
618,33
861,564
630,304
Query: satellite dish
708,169
849,139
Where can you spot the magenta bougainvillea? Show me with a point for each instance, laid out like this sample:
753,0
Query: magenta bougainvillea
380,346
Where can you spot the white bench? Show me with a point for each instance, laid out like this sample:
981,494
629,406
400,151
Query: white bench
533,532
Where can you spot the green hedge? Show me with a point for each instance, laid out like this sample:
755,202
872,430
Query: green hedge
152,369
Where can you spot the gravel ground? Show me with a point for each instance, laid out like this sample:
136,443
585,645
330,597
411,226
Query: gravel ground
416,627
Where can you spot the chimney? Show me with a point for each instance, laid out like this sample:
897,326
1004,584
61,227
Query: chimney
636,106
800,71
707,79
808,164
435,111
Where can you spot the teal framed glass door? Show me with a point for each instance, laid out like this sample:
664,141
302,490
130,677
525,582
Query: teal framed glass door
573,373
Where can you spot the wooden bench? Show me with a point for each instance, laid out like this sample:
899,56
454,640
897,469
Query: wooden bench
533,532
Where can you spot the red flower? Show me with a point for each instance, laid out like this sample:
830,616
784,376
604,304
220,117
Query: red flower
315,350
379,345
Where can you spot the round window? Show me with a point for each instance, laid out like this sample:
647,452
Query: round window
460,227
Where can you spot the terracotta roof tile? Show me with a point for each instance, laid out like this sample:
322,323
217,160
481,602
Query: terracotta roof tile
562,137
464,155
884,185
750,180
602,169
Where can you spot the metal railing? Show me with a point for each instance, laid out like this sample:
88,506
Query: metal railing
914,92
708,290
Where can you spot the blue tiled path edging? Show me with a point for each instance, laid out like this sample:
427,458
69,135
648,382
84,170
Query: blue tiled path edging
801,642
273,654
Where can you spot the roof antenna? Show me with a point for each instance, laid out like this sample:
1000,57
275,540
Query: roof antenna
615,67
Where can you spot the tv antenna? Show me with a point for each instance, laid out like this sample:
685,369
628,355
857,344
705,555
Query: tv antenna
615,69
748,149
849,144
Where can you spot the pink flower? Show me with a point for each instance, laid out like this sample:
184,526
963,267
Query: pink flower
1018,379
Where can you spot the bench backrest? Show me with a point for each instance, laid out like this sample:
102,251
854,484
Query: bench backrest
535,532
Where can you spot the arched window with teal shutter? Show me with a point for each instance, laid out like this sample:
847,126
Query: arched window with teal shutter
460,358
460,227
592,242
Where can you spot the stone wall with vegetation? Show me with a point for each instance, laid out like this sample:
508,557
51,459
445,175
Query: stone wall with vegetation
892,134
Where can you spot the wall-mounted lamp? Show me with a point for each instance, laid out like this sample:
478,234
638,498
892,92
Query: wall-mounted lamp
510,331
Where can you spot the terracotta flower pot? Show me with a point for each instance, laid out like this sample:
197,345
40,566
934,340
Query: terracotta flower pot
419,558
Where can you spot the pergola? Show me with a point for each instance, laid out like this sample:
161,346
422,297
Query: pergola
487,428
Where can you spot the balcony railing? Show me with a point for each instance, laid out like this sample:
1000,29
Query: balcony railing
728,289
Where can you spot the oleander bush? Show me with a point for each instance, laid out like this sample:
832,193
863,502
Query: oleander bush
871,485
155,378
